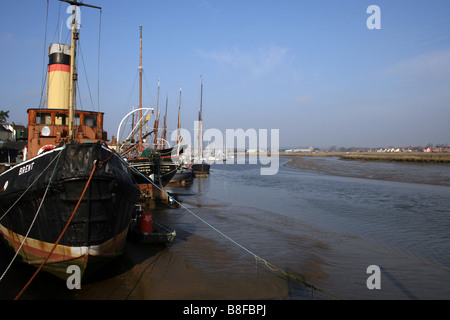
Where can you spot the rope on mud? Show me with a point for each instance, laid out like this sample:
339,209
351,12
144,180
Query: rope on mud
269,265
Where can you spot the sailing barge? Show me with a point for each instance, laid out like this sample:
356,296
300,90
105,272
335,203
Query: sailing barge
155,163
199,166
71,201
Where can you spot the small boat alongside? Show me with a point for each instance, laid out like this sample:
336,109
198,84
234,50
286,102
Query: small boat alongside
200,169
145,229
184,177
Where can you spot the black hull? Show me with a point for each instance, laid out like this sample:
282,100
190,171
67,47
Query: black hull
101,221
183,178
183,175
161,172
199,169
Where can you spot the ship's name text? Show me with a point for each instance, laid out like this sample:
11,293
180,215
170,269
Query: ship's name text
26,168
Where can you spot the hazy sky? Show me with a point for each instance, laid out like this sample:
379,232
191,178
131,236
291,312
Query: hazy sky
312,69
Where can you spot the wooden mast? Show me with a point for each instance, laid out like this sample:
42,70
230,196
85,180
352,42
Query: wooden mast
156,125
72,86
200,140
73,75
140,92
179,126
164,132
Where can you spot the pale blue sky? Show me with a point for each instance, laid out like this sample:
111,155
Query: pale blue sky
309,68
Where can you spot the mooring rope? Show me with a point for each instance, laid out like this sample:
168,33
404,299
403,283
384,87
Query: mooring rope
269,265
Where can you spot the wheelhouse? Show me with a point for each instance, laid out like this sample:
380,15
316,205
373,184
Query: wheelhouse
50,127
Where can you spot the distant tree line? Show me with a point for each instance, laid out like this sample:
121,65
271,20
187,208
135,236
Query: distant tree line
4,115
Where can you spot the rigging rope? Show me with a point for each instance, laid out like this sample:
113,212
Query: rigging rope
57,24
98,61
44,74
257,258
85,74
128,101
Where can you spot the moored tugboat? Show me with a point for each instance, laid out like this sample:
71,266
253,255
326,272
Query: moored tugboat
71,200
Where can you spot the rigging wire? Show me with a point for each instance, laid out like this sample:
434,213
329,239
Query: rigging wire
76,85
98,61
43,59
150,97
57,24
127,103
85,74
80,52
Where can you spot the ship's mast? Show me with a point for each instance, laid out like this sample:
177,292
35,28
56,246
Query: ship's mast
200,140
163,134
156,125
73,75
140,90
179,126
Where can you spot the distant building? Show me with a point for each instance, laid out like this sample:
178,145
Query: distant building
301,150
13,140
6,132
432,150
20,132
12,132
391,149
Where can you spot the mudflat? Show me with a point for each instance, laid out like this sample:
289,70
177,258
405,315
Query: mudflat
414,157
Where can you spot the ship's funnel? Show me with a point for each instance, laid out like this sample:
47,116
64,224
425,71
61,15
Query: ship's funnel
58,76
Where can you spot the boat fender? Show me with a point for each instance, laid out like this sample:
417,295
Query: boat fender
45,148
146,223
5,186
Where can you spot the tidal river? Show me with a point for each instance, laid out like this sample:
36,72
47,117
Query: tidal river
309,232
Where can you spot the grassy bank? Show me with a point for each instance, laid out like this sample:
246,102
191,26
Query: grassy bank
418,157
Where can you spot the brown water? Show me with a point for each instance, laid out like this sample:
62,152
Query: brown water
315,226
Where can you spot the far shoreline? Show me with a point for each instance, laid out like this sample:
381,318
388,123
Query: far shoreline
406,157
